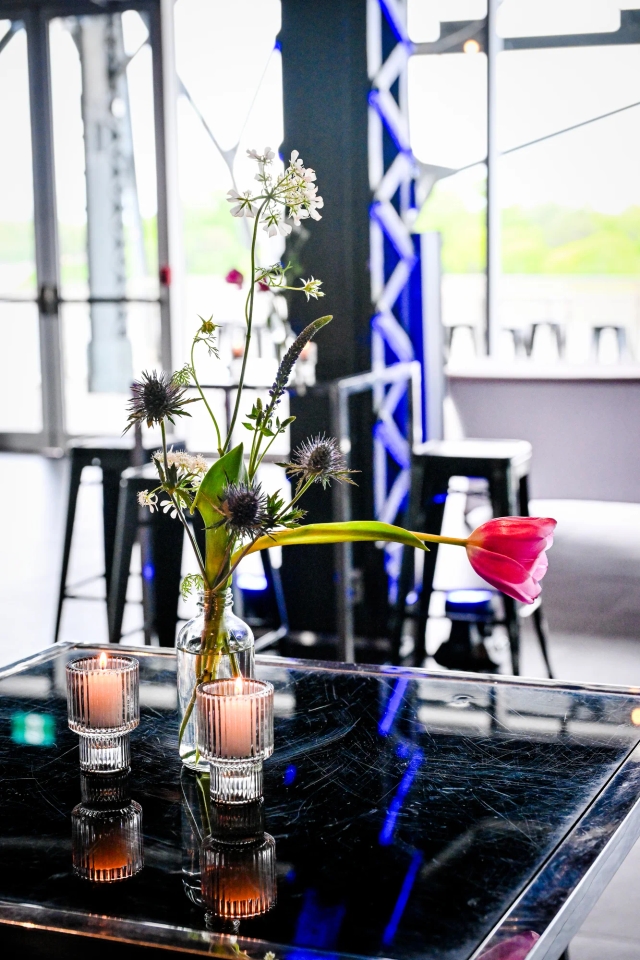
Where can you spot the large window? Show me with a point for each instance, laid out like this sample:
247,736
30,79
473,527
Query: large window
567,115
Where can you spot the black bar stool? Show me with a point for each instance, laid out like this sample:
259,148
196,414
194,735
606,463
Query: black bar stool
113,455
161,542
505,465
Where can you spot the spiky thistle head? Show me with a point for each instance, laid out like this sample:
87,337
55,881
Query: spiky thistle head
154,398
320,460
292,354
244,510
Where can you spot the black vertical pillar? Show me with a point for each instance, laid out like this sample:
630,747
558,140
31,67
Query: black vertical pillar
326,87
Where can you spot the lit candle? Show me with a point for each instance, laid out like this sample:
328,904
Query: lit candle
103,706
237,721
235,734
105,694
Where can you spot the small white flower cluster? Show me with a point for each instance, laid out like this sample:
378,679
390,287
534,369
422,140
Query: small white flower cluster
190,463
150,500
294,190
311,288
146,499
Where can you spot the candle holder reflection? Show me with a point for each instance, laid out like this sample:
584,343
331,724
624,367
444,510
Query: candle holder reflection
238,863
235,735
106,831
103,707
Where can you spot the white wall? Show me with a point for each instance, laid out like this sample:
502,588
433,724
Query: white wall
585,431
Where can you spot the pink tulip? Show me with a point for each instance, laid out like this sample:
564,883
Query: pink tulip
515,948
510,554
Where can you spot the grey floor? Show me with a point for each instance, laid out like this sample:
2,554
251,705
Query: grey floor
592,602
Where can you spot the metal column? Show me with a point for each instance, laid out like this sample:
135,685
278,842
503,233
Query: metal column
46,237
494,266
110,173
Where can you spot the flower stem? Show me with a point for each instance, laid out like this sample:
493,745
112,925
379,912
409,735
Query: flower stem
201,392
249,320
436,538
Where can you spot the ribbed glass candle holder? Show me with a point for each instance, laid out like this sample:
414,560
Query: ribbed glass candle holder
103,706
239,878
235,735
106,843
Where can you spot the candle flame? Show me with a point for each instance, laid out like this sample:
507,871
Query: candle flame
238,686
103,660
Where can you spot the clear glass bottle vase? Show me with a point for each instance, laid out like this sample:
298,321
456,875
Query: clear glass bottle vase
214,645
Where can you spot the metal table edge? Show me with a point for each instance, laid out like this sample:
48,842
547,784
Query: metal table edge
611,823
331,666
146,933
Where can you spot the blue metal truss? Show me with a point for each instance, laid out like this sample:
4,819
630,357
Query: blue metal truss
396,327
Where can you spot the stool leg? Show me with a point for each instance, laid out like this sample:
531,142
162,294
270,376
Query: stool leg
404,585
540,627
167,543
110,492
273,577
524,496
75,475
513,629
126,529
434,503
503,504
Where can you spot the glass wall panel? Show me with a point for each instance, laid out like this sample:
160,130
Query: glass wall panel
571,203
448,125
19,334
104,137
17,249
92,412
21,409
231,100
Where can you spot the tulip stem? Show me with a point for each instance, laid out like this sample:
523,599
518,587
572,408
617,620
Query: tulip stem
435,538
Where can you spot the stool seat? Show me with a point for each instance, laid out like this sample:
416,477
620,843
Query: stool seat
517,451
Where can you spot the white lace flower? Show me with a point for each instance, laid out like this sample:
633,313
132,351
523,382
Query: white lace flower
244,204
168,506
311,288
265,157
273,224
187,462
146,499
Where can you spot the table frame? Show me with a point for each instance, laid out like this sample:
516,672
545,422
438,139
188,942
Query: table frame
559,897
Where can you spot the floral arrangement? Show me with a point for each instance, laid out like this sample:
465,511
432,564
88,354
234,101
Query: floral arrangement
240,518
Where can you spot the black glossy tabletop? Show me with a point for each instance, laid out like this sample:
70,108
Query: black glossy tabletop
414,815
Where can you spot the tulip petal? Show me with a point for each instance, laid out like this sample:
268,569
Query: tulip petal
521,538
503,573
540,567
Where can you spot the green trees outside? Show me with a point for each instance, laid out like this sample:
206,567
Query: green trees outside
548,239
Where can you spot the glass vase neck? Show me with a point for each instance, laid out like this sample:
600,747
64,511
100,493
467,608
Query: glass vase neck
212,601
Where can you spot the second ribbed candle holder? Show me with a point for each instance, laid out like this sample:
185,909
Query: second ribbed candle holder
103,707
235,735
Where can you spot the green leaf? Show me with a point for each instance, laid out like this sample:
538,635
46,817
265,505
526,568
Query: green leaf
249,426
226,470
354,530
